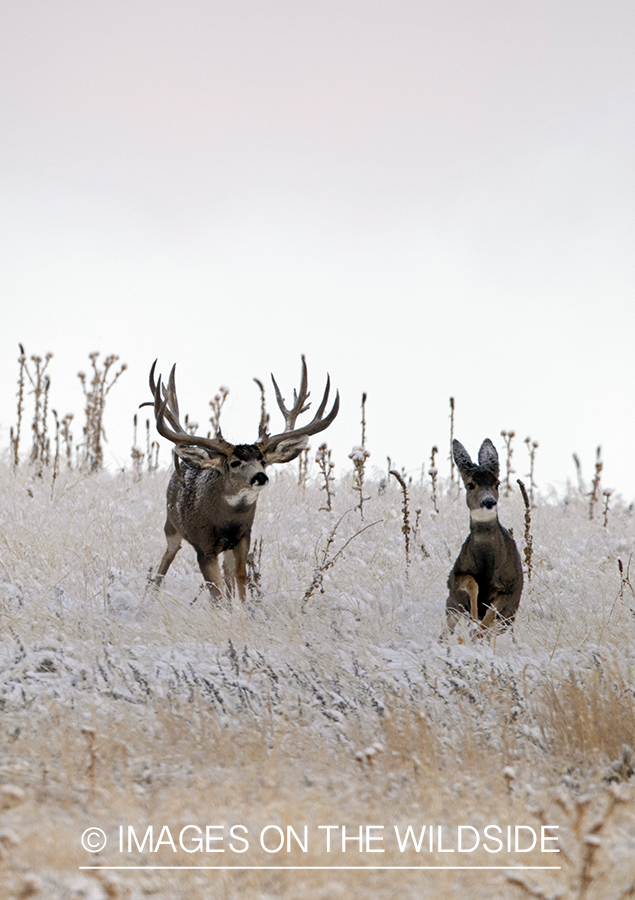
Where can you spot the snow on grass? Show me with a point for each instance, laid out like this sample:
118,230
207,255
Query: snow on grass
120,701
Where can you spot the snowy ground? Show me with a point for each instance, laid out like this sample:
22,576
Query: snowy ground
123,706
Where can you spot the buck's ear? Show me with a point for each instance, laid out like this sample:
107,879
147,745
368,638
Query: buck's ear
286,450
488,457
199,458
462,459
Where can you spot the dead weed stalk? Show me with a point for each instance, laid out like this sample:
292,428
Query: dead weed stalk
595,484
216,406
327,562
326,466
507,437
95,394
451,440
405,511
14,437
529,541
359,455
532,446
434,474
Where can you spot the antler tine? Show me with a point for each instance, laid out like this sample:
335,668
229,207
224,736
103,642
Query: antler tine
264,416
299,407
165,402
317,424
156,388
172,401
162,412
153,386
325,398
166,406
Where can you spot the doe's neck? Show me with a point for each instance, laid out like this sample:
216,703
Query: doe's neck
484,519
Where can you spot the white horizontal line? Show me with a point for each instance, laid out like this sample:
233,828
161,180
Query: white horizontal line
321,868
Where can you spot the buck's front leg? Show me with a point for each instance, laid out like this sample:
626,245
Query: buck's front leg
211,573
241,551
174,540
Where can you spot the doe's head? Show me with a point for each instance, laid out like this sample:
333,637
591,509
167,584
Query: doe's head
481,481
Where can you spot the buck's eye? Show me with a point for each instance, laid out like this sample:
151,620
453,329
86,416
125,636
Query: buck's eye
234,463
470,486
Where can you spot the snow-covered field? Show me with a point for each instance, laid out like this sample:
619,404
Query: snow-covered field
125,707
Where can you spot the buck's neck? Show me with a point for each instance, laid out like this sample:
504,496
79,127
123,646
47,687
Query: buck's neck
242,500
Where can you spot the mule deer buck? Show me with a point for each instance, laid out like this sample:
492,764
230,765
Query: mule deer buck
211,496
486,580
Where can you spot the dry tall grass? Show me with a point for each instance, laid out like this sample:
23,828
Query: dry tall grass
124,706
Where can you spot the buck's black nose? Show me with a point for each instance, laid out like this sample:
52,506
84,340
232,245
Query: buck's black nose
260,478
488,503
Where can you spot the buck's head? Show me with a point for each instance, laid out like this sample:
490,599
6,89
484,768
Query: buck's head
242,466
481,481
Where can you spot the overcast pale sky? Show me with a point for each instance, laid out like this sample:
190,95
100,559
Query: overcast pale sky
427,199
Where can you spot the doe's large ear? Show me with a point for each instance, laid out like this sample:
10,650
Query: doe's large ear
488,457
286,450
462,459
199,458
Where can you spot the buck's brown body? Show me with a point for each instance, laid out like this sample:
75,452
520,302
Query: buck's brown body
202,510
486,581
212,494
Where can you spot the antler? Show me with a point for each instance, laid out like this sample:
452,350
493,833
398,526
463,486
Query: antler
166,406
317,424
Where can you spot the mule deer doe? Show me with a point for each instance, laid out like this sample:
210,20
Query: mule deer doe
486,580
211,496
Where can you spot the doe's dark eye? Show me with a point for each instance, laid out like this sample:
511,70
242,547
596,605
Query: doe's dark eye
470,486
234,463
